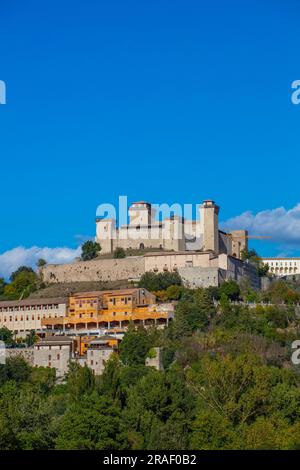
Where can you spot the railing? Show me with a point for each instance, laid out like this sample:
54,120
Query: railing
257,304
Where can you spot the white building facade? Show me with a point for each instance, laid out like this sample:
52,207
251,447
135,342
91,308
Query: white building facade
25,315
283,266
55,352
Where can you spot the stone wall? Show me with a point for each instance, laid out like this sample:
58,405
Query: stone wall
95,270
200,277
196,268
155,360
54,356
26,353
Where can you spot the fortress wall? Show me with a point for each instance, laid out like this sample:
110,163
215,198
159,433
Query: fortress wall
171,261
24,353
196,269
200,277
95,270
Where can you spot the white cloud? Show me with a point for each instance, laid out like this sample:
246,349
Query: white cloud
20,256
282,225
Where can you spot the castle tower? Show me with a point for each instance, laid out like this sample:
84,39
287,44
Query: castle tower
105,234
239,242
140,213
209,225
173,234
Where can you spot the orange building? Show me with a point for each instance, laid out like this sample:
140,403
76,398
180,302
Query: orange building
83,342
110,310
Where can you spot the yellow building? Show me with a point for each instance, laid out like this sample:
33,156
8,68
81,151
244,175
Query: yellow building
110,310
83,342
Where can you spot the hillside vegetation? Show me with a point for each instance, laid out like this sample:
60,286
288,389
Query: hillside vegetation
228,383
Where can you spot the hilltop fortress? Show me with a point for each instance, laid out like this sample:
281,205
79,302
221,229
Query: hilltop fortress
198,250
171,234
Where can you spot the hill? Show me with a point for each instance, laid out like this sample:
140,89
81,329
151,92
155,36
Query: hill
64,289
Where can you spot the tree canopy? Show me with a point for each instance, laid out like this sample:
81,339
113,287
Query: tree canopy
90,250
227,383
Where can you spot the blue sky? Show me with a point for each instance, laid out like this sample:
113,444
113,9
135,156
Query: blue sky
167,101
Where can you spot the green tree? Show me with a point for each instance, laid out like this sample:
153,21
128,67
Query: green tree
23,282
90,250
224,304
2,285
254,258
21,269
41,262
159,281
174,292
134,346
193,312
92,424
27,417
31,338
119,253
80,381
6,335
230,289
15,369
158,411
263,269
281,292
212,431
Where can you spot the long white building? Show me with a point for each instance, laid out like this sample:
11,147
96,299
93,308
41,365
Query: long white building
26,315
283,266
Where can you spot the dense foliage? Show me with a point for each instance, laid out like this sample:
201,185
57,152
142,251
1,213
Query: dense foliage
228,383
22,283
119,253
160,281
253,257
90,250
